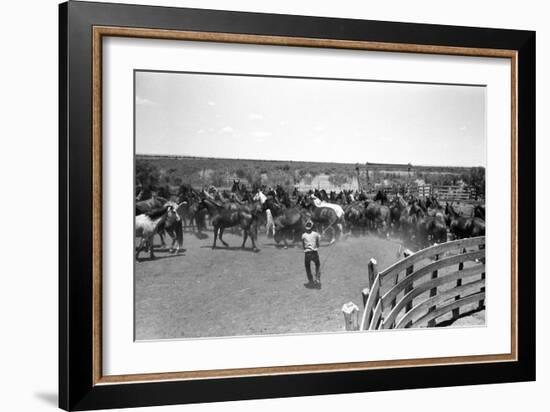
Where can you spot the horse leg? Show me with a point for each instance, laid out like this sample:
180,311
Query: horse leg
245,236
151,248
215,236
195,224
171,250
221,234
172,237
162,242
332,234
175,247
140,248
251,231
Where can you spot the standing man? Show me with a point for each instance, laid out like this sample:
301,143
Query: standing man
310,243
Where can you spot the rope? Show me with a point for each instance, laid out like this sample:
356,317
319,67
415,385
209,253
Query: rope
327,228
324,261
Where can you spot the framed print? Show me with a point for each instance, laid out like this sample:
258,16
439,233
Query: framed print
256,205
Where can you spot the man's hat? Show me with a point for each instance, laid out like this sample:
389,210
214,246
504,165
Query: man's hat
309,224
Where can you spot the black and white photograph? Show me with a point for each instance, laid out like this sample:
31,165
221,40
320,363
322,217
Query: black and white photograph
269,205
251,205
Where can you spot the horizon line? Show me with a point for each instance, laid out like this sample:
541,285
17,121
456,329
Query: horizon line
300,161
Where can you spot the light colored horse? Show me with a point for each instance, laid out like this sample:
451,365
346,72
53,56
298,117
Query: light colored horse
327,216
150,223
270,224
337,208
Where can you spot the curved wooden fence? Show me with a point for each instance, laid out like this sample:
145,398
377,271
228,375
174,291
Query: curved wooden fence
422,287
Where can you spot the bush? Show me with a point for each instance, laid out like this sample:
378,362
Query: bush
338,180
218,178
147,174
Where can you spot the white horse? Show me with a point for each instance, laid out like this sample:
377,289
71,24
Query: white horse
337,208
148,224
260,197
338,211
270,224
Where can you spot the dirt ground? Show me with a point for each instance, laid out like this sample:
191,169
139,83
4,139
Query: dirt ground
230,292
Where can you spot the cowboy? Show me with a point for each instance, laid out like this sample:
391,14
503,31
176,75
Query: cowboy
310,243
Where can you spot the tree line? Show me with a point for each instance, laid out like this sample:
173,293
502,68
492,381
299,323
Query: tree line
150,173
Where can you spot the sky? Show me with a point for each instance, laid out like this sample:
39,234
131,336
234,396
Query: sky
327,120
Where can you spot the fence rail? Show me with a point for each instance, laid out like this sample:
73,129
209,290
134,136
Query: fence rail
446,192
423,286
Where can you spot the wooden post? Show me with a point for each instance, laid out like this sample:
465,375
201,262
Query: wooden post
351,316
456,312
373,271
394,300
481,304
365,294
408,271
433,292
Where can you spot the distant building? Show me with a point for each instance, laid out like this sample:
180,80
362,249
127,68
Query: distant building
322,181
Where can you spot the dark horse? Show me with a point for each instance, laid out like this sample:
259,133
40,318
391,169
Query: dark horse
355,215
289,222
479,211
463,227
381,196
190,215
378,216
224,216
430,229
145,206
239,188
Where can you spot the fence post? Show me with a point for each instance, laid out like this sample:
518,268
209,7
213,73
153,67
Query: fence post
456,312
396,281
408,271
433,292
481,304
394,300
373,271
365,295
351,316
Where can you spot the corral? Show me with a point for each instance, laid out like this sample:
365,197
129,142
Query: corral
235,292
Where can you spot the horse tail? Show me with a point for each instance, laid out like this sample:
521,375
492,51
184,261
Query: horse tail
179,233
270,224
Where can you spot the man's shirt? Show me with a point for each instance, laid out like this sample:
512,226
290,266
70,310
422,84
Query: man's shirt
310,241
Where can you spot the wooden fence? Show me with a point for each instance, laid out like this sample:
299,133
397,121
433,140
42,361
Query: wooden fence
422,287
454,193
451,193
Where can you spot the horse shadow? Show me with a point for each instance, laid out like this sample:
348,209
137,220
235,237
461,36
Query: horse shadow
281,245
232,248
161,257
201,235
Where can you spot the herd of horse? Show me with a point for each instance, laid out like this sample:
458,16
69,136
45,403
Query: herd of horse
421,220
